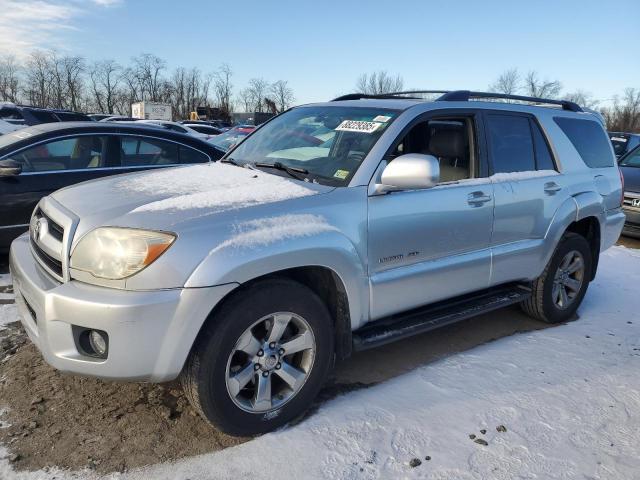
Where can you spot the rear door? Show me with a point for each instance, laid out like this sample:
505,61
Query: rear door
528,191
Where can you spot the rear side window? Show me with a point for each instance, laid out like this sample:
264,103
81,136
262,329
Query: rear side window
511,143
189,155
142,152
544,160
589,139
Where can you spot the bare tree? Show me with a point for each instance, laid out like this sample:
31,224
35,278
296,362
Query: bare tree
223,88
508,82
282,95
105,77
257,89
582,98
245,100
73,69
9,80
148,70
377,83
37,79
624,114
534,86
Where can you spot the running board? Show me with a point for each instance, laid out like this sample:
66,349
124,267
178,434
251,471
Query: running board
436,315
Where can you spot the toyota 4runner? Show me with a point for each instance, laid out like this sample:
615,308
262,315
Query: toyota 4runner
334,227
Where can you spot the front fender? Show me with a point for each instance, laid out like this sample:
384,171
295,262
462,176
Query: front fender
243,261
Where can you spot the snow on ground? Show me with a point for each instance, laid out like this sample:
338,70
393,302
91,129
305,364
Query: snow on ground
568,396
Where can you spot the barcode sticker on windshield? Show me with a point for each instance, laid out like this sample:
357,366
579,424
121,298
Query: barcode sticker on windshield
358,126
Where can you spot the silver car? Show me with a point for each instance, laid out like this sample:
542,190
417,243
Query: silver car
334,227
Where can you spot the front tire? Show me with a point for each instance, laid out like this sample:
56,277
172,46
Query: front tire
263,358
558,292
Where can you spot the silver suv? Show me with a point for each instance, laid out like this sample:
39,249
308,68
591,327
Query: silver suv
334,227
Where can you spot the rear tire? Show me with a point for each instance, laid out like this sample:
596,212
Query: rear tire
558,292
240,377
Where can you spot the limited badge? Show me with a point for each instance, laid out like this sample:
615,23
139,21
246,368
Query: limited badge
341,174
358,126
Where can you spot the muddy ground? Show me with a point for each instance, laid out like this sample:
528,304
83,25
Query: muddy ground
52,419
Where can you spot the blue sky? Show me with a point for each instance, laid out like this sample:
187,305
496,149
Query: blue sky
322,48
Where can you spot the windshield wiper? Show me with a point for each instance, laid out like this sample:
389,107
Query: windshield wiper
230,160
292,171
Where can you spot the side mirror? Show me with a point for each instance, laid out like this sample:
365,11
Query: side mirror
412,171
10,168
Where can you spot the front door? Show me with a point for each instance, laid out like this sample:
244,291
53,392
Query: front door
429,245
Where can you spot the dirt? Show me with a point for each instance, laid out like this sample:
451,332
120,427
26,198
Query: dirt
75,422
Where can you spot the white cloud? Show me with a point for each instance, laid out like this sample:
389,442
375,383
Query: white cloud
26,25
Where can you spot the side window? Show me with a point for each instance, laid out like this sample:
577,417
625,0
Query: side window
450,140
589,139
189,155
87,151
544,159
510,142
142,152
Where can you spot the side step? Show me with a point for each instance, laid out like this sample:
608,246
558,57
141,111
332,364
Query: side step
436,315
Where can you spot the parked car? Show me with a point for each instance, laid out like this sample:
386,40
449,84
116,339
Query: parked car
205,129
35,161
231,137
71,116
630,167
250,276
96,117
24,115
118,118
177,127
219,124
6,127
624,142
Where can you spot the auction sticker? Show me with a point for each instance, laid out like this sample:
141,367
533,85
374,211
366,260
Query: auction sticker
382,118
341,174
357,126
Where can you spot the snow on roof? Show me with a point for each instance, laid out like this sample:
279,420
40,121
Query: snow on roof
216,186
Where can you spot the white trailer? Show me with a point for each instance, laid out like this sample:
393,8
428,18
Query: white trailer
151,111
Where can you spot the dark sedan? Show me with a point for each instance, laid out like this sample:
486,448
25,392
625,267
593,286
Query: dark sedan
630,168
38,160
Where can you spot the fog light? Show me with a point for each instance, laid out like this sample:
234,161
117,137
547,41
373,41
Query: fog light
98,342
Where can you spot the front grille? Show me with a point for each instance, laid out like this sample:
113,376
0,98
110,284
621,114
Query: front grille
628,201
53,264
55,230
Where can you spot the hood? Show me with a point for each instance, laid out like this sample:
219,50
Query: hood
631,178
182,193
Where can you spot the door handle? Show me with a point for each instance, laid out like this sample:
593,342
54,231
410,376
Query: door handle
551,188
476,199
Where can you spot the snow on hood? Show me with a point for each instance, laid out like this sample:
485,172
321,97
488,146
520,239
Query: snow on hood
216,187
208,188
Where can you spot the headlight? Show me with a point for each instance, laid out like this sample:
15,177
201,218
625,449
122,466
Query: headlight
117,253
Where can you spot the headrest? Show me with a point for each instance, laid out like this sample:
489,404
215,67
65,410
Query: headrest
448,143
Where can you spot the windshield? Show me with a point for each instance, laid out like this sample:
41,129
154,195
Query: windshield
229,138
632,159
325,144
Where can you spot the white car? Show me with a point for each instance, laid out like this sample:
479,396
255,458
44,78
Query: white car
177,127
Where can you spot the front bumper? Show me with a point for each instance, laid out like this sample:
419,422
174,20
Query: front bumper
150,332
632,224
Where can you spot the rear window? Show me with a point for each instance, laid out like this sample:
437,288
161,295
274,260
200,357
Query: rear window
589,139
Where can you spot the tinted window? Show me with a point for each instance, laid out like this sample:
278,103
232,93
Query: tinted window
589,139
511,143
69,154
620,144
137,152
544,160
189,155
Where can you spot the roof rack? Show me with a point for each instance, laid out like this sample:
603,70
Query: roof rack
466,95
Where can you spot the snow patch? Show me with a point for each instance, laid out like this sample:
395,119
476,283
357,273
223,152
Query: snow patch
266,231
216,187
8,314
